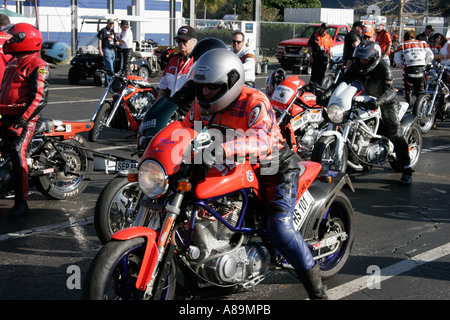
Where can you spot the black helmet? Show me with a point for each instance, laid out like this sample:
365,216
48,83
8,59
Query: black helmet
205,45
276,77
369,50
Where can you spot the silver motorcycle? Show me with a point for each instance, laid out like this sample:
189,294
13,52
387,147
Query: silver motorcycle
354,136
434,102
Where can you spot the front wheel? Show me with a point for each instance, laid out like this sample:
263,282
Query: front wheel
339,220
114,271
100,121
69,176
325,153
421,107
116,207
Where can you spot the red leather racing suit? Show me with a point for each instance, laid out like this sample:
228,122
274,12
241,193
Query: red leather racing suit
275,164
23,95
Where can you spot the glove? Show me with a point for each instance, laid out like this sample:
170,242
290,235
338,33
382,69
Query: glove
372,104
16,128
211,155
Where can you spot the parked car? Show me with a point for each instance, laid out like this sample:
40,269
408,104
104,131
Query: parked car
293,53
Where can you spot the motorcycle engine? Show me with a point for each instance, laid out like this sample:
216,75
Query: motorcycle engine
6,178
310,136
375,153
222,256
142,101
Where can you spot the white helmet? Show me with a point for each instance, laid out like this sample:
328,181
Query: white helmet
219,66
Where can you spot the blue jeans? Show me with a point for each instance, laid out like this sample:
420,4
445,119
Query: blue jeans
109,59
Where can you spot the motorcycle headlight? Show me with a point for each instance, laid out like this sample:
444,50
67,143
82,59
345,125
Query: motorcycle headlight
335,113
152,179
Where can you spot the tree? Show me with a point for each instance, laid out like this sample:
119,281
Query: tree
279,5
400,8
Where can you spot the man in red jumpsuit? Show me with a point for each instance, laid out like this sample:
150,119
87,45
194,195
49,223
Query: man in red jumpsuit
223,102
23,95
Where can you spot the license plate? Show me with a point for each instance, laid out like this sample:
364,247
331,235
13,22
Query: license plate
125,165
302,209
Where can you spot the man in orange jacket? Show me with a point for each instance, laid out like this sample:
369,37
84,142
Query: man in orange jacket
223,102
319,47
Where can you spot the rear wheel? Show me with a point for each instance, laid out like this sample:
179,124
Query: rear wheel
414,140
338,220
421,107
69,178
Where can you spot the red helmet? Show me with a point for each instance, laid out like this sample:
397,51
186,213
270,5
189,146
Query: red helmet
24,38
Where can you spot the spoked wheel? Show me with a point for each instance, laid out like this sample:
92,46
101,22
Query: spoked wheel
325,152
100,121
421,107
114,271
338,227
68,177
414,140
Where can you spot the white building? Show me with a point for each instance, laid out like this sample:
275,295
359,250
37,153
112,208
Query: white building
150,19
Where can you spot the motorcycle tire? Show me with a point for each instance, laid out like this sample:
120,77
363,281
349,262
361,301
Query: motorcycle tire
115,207
324,153
113,272
342,219
60,184
100,120
421,106
414,140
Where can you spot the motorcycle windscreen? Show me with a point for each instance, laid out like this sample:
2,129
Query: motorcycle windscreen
343,96
157,117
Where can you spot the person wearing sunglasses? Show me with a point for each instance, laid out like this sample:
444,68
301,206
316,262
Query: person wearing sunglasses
177,70
247,57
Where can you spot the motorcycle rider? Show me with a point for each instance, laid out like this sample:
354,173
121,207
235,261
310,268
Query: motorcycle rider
374,74
23,95
224,102
413,55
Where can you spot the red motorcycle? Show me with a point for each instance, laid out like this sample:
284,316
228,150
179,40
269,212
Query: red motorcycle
212,233
132,96
299,117
59,160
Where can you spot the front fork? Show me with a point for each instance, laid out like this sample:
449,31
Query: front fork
162,242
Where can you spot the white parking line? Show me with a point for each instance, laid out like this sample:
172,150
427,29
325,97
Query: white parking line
362,283
48,228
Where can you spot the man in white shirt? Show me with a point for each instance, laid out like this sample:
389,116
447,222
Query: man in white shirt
125,43
247,57
413,55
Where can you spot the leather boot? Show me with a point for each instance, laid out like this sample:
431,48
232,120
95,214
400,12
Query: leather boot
312,280
20,208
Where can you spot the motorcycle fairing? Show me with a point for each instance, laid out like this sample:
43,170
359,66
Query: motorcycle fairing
168,146
66,129
151,252
223,179
286,91
309,172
